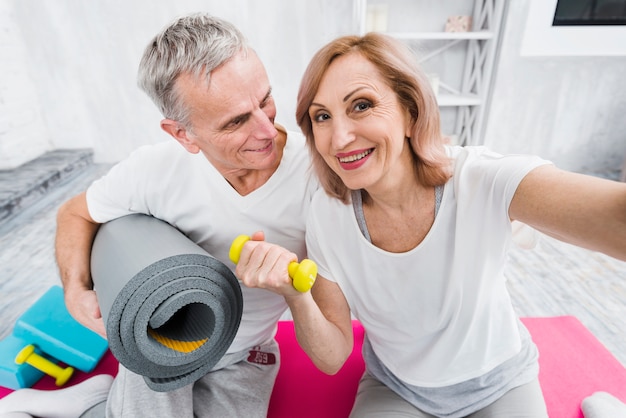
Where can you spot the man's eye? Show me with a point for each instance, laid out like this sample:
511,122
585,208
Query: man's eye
235,123
266,101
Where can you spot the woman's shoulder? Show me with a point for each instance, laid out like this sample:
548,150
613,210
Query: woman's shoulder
481,159
323,203
471,153
478,167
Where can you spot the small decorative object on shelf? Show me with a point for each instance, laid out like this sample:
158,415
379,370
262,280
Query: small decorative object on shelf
459,24
456,44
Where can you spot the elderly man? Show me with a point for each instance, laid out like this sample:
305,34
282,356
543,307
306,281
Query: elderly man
232,169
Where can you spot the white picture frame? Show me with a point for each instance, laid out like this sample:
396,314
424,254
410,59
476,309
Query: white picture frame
542,39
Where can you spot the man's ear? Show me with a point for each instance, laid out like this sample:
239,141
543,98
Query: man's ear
179,133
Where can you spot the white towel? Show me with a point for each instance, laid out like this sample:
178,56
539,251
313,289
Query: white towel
603,405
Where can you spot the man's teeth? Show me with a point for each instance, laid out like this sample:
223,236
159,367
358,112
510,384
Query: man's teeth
355,157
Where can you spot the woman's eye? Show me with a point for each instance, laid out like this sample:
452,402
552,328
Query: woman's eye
320,117
362,106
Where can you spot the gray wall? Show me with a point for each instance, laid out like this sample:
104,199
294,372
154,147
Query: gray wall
571,110
67,78
72,66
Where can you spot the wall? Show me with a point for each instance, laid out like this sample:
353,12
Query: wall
569,109
23,132
67,77
76,63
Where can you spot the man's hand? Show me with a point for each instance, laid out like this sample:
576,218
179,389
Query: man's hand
83,306
75,234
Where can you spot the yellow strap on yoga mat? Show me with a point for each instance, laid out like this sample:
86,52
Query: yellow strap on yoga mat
180,346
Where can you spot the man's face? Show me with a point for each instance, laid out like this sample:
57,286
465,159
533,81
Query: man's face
232,121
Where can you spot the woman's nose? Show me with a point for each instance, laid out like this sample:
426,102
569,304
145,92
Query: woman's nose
342,133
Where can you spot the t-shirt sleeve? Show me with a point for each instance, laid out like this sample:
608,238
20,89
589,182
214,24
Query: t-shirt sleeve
313,241
484,177
119,192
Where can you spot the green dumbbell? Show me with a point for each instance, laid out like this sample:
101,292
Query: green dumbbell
302,274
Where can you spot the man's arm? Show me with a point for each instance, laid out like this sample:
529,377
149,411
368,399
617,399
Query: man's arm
74,237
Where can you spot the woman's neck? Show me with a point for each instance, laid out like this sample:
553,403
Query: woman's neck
399,216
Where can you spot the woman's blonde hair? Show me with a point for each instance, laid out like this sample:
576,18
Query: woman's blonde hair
397,65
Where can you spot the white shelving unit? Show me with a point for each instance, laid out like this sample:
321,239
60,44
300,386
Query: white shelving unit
468,96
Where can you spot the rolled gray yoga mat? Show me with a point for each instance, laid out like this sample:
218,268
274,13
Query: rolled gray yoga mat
171,310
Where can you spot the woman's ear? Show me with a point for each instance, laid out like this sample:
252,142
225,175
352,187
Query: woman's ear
410,124
180,133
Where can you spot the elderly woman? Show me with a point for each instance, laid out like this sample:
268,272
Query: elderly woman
410,236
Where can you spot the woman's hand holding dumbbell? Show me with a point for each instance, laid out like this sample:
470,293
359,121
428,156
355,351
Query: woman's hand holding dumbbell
303,274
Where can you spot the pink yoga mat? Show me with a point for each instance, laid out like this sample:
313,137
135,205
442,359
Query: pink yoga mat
574,365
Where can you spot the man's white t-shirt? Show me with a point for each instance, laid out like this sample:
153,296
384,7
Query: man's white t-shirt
440,313
185,190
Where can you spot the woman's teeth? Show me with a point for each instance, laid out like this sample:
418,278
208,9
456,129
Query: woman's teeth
355,157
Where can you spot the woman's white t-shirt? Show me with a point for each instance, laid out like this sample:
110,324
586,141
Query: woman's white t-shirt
439,314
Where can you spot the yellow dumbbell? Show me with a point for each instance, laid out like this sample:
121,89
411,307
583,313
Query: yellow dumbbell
302,274
28,355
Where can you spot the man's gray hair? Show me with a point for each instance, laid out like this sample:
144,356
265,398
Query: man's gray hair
194,44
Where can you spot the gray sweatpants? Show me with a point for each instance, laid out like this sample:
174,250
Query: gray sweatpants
374,400
240,385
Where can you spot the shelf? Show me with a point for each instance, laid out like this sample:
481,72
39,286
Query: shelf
444,36
458,100
462,61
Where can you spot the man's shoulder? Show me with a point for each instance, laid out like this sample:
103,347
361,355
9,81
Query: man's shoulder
151,161
158,153
163,147
295,139
296,143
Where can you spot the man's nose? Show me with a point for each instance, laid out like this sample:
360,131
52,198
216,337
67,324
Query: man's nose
264,125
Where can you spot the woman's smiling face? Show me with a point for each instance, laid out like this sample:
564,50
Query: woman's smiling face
359,126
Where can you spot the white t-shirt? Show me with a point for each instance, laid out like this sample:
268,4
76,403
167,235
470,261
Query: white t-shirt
440,313
185,190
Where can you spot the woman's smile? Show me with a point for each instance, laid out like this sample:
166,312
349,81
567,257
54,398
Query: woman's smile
355,159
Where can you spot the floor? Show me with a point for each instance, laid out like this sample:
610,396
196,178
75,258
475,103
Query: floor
552,279
27,265
24,186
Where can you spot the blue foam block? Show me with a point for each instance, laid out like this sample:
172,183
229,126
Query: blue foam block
16,376
48,325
